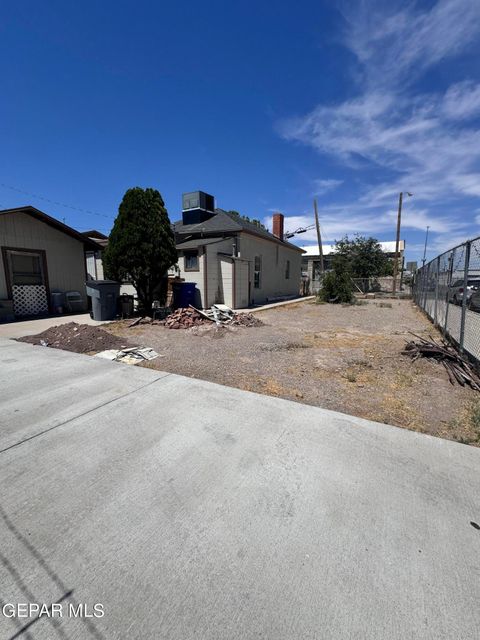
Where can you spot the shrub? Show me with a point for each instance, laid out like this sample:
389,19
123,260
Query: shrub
336,287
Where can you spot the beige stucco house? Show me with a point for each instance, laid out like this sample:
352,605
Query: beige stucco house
234,261
42,264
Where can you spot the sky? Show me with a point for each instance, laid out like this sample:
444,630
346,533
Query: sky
265,105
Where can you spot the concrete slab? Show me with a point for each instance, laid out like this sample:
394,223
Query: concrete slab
31,327
191,510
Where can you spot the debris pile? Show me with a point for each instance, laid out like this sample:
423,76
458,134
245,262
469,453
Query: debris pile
184,318
458,368
132,355
247,320
80,338
219,314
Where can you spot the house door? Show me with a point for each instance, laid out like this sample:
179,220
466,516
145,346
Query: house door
27,278
242,284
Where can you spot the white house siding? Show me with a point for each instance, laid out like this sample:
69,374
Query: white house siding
222,278
219,289
194,276
65,255
273,283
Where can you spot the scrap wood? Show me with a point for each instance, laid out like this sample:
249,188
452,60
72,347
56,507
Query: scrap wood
458,368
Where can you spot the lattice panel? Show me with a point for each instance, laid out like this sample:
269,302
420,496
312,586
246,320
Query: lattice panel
29,299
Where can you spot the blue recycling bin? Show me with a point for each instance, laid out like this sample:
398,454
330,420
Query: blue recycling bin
183,294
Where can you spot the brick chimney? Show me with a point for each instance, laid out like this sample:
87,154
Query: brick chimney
278,225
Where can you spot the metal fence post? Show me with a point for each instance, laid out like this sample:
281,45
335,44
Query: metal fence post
449,282
435,319
464,297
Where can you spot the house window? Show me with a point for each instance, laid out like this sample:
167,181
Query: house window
191,260
26,269
257,272
287,270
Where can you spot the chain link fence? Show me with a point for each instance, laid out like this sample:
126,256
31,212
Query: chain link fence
448,290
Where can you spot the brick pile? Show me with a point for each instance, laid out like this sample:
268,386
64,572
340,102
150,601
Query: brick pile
184,318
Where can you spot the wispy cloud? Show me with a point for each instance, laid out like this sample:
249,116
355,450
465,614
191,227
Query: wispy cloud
429,140
324,186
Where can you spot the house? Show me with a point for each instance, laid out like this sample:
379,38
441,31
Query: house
232,260
93,257
42,265
311,260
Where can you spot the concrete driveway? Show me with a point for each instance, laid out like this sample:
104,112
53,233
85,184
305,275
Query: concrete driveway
190,510
32,327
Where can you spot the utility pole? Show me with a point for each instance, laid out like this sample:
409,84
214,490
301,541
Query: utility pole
319,237
425,248
397,242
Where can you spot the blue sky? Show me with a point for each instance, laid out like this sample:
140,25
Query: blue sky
265,105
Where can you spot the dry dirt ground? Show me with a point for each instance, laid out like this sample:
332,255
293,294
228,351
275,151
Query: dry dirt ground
345,358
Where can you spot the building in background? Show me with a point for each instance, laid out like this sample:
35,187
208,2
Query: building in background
232,260
311,261
42,265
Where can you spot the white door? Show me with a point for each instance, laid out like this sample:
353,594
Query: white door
242,273
226,275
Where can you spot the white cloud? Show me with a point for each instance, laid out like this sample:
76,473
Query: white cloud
462,100
430,141
396,43
328,184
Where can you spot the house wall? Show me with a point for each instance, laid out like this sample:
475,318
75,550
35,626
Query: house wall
219,272
273,283
65,255
221,278
208,279
94,265
194,276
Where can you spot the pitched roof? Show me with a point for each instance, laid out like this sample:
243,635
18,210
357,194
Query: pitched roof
225,222
53,222
197,242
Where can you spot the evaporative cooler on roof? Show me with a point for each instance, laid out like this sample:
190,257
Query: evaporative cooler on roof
197,206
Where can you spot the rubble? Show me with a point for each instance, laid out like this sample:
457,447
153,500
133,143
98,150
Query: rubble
220,314
458,368
132,355
185,318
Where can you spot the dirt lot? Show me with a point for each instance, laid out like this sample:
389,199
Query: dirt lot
342,358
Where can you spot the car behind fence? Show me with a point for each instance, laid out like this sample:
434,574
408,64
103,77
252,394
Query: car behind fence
448,290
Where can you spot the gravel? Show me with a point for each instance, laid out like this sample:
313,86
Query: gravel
345,358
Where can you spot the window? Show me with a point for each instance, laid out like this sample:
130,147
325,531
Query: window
26,268
287,270
191,260
257,272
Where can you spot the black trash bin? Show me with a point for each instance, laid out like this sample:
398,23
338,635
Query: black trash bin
104,294
125,305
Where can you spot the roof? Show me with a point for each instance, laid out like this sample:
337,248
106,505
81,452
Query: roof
93,233
99,237
52,222
387,247
197,242
225,222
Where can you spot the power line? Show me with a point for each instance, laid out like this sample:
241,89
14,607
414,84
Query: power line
60,204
